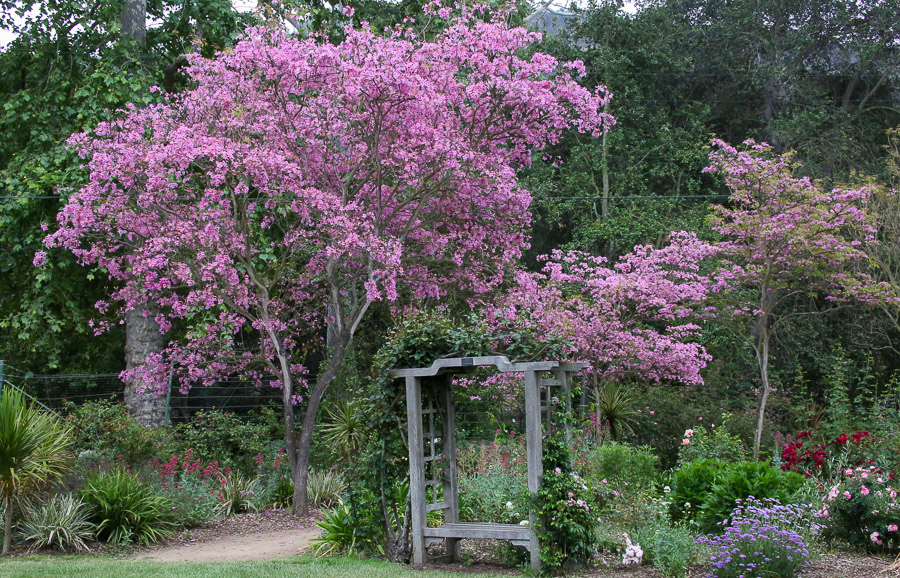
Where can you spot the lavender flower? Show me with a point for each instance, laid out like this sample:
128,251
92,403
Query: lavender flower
762,539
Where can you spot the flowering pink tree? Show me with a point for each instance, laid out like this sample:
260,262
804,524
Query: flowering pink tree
630,320
785,238
299,182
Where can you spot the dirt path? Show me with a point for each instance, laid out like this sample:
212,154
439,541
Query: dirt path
243,547
269,534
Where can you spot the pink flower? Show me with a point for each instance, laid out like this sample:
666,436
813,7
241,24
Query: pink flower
685,442
40,259
688,433
864,490
874,537
892,528
847,494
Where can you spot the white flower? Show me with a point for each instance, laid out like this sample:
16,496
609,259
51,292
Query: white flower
509,505
523,523
633,553
667,489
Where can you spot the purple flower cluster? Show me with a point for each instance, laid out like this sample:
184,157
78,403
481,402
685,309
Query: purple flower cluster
762,539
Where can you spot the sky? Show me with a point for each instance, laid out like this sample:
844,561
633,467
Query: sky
246,5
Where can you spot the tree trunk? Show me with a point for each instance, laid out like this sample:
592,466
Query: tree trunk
142,334
770,100
134,21
762,358
7,524
142,337
301,466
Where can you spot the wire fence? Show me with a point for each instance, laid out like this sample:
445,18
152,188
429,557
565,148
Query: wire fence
62,393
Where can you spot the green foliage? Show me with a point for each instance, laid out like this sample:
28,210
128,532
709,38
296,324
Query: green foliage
705,491
278,490
233,441
325,488
195,505
34,451
340,534
718,445
566,525
67,68
127,510
104,430
615,406
343,429
238,494
494,494
861,510
671,549
60,523
623,466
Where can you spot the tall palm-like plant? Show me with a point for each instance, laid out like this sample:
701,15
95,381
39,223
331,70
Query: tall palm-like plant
615,407
344,429
34,450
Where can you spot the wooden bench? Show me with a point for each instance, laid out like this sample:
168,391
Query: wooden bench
518,535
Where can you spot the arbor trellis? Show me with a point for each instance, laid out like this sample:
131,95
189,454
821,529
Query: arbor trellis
437,383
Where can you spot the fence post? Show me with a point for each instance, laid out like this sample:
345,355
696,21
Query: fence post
168,398
1,377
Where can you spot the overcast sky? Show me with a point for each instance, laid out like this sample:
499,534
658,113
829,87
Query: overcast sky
246,5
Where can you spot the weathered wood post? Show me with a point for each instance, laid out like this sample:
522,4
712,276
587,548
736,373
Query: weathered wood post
533,446
416,466
451,481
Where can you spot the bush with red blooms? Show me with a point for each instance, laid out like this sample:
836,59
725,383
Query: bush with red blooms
195,487
805,456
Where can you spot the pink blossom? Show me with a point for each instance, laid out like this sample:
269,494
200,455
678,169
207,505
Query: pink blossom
40,259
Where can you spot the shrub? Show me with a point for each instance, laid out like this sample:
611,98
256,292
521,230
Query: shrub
692,485
700,444
193,486
196,504
34,451
826,459
234,442
863,510
60,523
623,466
490,477
324,489
238,494
339,533
104,430
671,549
762,539
277,490
126,509
566,525
484,495
705,492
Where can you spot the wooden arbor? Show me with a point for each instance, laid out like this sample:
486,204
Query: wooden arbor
441,464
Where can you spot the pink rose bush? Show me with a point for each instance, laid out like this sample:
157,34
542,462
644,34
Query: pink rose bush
862,509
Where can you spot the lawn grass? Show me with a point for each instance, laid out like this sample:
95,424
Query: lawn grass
294,567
